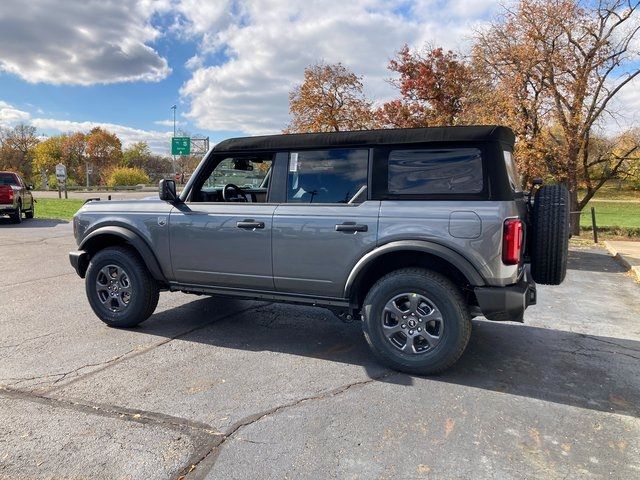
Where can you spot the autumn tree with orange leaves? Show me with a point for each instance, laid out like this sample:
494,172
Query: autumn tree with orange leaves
103,151
549,69
330,99
434,87
561,63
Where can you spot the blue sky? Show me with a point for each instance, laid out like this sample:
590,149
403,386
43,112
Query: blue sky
228,65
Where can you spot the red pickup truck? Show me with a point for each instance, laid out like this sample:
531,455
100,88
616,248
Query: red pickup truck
15,197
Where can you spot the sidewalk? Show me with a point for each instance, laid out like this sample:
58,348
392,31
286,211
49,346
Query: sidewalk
627,253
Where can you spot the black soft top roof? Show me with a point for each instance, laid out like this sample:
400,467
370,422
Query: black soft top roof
369,137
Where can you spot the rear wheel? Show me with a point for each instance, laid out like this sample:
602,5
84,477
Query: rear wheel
119,287
17,215
416,321
31,213
550,235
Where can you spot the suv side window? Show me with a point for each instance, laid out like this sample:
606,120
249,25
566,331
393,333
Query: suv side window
434,171
327,176
512,172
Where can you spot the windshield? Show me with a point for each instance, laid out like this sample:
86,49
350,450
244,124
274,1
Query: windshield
8,179
241,172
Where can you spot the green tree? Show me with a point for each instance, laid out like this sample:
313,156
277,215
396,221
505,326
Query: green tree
47,154
136,155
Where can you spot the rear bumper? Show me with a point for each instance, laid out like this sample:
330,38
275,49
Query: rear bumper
6,208
507,304
79,261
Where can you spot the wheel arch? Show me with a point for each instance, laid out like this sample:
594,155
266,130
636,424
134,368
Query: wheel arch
401,254
113,235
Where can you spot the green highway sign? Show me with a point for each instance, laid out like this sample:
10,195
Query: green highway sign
180,146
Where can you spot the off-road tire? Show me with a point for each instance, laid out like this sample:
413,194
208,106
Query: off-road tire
446,297
17,216
550,235
144,294
31,213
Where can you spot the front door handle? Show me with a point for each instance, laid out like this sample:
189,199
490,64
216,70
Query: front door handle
249,224
351,227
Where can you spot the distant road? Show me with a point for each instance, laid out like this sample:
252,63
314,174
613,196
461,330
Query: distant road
122,195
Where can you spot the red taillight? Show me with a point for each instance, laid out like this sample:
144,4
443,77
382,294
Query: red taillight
512,240
6,194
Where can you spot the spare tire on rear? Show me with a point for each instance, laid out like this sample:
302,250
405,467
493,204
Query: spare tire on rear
550,236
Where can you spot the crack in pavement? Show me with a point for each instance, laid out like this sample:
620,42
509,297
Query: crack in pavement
19,344
64,375
31,242
10,285
203,466
201,435
602,340
134,352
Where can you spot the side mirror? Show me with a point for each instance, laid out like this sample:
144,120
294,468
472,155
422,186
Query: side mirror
167,190
30,187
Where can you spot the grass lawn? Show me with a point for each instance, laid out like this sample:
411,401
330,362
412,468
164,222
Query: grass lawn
608,192
615,220
57,208
612,214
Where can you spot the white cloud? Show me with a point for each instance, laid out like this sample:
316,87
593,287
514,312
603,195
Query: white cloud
80,42
624,110
266,44
158,141
10,115
169,123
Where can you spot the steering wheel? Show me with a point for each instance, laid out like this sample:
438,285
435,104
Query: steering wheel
233,193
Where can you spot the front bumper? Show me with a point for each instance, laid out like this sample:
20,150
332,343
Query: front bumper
79,261
507,304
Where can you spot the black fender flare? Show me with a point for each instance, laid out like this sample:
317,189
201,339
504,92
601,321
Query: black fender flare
441,251
131,238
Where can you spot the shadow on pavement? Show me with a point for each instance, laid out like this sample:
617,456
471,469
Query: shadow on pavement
593,261
31,223
586,371
593,372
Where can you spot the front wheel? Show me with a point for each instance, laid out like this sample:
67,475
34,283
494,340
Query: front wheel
416,321
120,288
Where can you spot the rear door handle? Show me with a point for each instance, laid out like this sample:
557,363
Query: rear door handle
249,224
351,227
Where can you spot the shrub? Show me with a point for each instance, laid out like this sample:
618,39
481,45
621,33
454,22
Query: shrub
53,182
126,176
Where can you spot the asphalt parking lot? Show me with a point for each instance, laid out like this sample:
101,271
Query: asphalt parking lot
226,389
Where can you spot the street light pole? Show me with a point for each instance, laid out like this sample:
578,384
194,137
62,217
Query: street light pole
173,107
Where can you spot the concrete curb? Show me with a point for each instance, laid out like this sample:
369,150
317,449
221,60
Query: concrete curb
622,259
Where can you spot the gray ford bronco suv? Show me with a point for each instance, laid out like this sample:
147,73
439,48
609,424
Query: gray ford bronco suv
412,231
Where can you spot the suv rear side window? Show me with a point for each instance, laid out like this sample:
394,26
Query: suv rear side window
512,172
327,176
435,171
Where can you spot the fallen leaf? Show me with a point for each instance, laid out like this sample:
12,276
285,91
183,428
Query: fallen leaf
448,426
